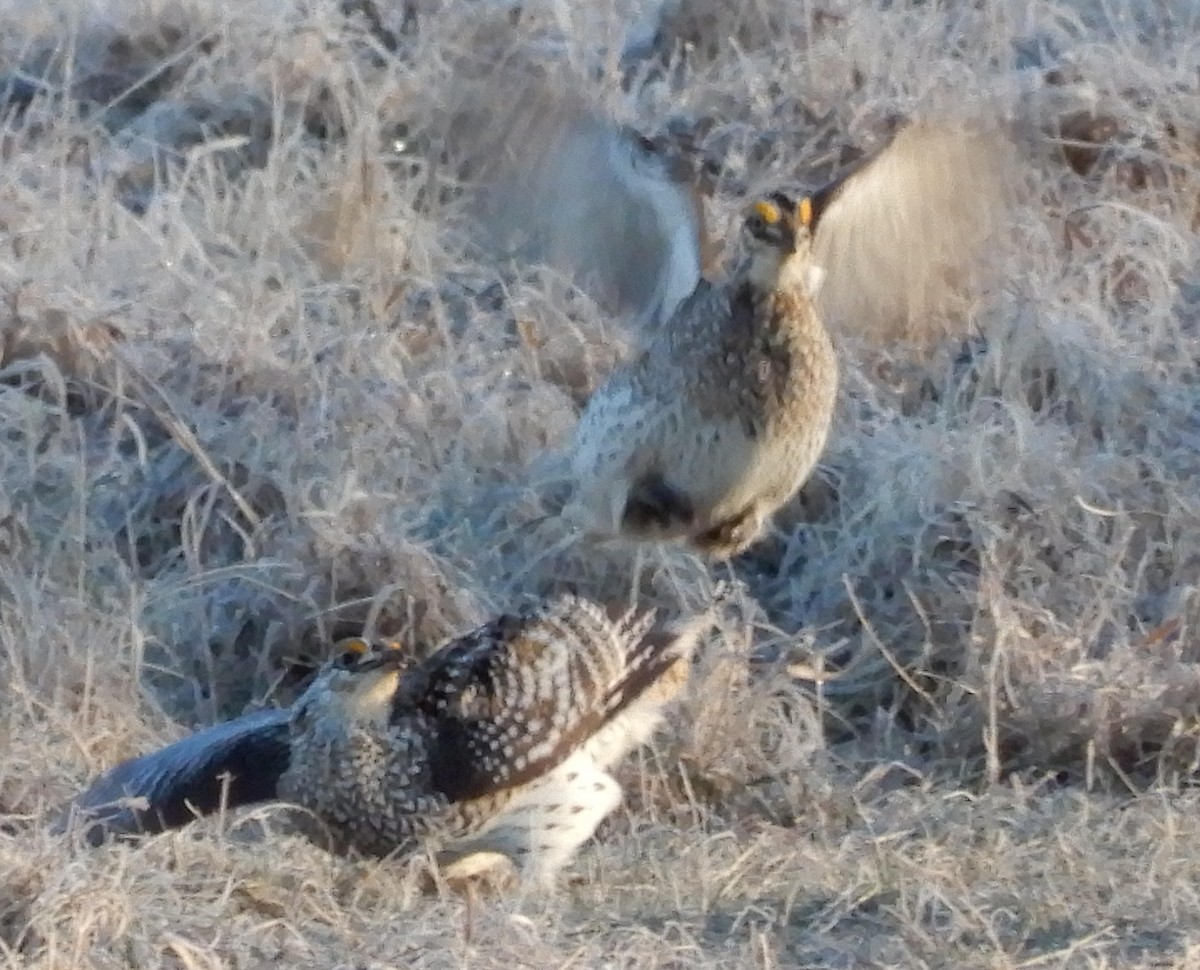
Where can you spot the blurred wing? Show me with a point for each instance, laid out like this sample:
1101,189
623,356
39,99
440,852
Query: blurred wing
235,763
534,688
559,182
905,238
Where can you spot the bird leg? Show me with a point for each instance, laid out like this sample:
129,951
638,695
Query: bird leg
639,563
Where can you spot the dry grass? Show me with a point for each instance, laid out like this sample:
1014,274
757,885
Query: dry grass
257,387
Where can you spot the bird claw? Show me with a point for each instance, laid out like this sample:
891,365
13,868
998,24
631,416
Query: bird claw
731,537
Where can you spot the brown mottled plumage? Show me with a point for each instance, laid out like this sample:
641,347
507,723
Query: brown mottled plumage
720,420
500,742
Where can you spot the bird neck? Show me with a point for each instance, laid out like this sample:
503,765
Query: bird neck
770,271
783,295
367,700
764,268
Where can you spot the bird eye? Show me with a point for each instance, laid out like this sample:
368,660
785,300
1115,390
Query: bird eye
348,659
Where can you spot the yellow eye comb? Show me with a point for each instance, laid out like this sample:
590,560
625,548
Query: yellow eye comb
804,212
360,646
353,645
768,212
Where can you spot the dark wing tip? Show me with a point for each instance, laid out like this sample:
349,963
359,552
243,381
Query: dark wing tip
231,764
821,199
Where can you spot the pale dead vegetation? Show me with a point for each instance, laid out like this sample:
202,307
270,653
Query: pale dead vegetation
259,386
